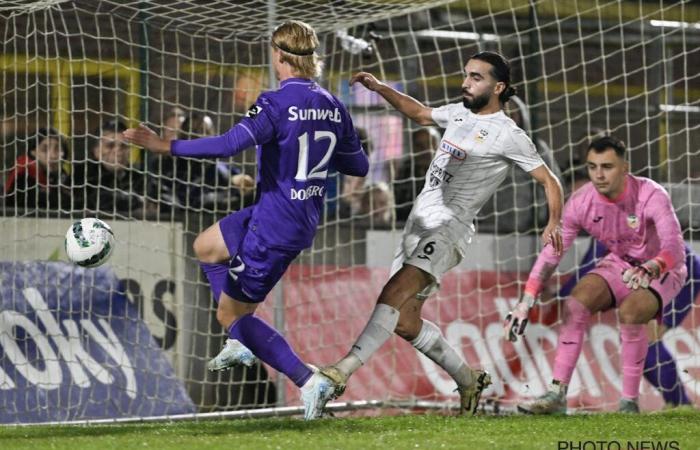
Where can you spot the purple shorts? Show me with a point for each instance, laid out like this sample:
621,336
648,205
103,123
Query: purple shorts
667,287
254,268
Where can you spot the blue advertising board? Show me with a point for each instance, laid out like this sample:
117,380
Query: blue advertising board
72,347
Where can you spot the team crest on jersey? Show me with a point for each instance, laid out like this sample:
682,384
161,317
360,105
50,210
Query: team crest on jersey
481,136
632,221
253,111
454,150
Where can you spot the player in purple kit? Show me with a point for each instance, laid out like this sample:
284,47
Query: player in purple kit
301,132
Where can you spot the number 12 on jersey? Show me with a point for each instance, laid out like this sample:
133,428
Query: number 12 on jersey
320,170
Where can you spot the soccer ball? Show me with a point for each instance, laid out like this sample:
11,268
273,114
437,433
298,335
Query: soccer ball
89,242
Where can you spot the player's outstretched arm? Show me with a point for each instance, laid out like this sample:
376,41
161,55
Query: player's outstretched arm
517,319
245,135
546,264
407,105
555,201
148,139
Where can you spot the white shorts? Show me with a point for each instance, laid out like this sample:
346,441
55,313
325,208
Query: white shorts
433,251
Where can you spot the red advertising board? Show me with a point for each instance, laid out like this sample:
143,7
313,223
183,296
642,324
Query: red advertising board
327,307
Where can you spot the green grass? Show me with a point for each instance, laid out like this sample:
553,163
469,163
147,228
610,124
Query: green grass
403,432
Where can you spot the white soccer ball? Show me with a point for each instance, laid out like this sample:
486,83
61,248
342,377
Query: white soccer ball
89,242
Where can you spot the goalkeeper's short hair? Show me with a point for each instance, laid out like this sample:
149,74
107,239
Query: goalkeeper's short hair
603,143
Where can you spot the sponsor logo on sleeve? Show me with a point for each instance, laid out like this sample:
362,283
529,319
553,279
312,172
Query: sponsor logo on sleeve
253,111
452,149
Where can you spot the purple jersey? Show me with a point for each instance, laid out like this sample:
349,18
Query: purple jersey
301,132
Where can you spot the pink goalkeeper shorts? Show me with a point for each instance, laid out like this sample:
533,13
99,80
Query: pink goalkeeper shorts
667,286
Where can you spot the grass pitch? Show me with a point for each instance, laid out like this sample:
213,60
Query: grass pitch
667,431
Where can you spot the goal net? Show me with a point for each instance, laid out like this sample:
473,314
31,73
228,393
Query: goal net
132,339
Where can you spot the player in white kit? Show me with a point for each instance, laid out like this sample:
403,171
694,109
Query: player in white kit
478,148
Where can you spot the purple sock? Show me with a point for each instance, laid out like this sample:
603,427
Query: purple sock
270,346
661,371
216,274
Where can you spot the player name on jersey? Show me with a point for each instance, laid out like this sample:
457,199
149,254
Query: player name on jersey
310,191
296,113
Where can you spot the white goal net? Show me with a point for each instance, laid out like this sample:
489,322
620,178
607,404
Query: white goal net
133,339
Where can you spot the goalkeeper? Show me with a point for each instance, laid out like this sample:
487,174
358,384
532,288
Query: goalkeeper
660,368
645,269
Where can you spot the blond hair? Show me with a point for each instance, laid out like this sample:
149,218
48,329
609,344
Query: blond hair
297,43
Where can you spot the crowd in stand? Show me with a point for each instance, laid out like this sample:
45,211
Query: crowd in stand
109,177
104,175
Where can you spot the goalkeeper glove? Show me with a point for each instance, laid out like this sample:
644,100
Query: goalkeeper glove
642,275
516,320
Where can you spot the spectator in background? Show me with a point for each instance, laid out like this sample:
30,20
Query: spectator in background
412,169
111,185
221,177
190,177
217,177
38,180
353,192
520,113
172,123
197,183
378,204
247,87
161,168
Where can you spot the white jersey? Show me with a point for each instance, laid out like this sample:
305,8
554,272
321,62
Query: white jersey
473,159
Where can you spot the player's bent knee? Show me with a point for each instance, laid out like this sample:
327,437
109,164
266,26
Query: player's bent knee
593,293
408,329
403,286
630,316
392,294
578,300
626,317
206,250
575,307
201,249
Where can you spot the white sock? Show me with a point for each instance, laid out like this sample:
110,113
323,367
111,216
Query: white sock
379,328
433,344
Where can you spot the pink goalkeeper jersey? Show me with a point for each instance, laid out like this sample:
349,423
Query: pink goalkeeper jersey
637,226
